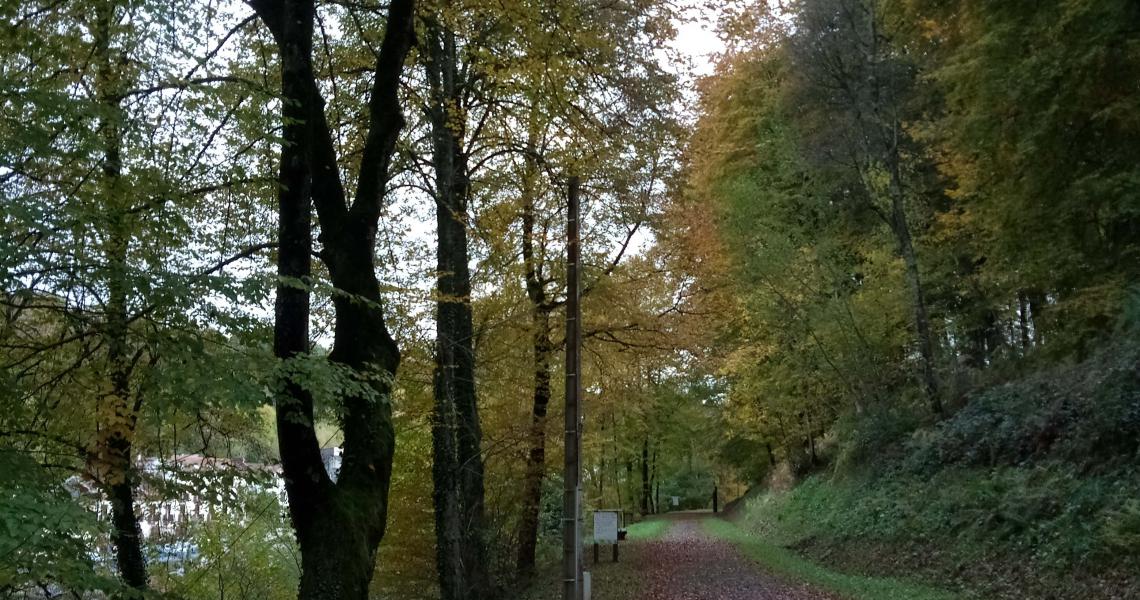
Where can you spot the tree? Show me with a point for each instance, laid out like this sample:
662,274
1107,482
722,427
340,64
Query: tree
612,102
457,437
119,407
858,86
507,143
339,525
1033,132
96,196
795,277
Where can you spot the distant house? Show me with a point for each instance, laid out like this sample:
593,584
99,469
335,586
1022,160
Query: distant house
184,489
332,459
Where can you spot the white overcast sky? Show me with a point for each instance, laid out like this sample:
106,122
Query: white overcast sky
697,39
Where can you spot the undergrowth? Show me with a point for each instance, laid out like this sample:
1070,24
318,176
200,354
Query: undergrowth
1038,475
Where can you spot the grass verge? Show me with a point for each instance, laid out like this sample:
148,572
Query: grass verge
787,563
650,529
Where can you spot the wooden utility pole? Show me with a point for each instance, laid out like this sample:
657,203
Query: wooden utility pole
572,587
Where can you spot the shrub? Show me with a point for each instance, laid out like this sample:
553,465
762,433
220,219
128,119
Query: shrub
1087,414
1122,528
862,439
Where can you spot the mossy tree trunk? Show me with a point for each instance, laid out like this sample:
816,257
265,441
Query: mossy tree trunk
339,524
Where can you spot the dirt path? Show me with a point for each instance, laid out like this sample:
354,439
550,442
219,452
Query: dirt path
688,564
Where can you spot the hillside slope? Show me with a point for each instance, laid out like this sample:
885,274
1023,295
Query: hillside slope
1030,490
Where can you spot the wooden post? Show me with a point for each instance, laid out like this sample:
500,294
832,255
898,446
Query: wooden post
572,467
615,551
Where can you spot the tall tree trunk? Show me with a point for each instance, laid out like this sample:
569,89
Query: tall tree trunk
1037,301
462,555
126,536
653,479
445,500
901,229
631,485
994,336
338,525
645,491
118,412
542,349
601,478
119,475
536,442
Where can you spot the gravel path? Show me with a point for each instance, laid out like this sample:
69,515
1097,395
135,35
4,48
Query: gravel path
688,564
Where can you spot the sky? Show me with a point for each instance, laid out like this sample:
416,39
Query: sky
697,39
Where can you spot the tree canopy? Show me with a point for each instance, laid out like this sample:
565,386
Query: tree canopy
284,281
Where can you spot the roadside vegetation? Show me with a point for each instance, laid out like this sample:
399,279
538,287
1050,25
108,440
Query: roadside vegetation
788,564
1028,489
918,220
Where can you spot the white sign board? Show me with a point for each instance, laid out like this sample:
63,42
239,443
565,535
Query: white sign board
605,526
676,500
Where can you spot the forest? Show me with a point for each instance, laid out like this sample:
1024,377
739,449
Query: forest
286,312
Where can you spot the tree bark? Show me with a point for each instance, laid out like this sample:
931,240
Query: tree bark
126,536
901,229
1037,301
645,491
457,435
338,525
631,484
118,412
653,479
1023,319
536,441
542,350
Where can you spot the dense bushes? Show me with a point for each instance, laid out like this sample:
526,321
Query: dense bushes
1045,514
863,440
1087,415
1037,476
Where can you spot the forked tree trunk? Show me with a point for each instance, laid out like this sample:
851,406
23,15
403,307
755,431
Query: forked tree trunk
338,525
